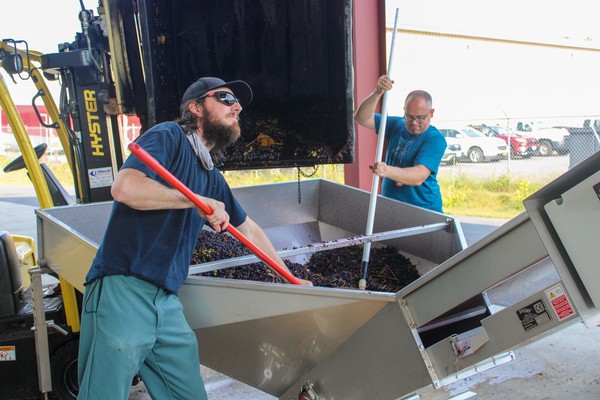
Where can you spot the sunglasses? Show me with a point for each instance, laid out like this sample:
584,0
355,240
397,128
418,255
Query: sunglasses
222,97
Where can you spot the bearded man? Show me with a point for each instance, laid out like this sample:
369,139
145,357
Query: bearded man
132,320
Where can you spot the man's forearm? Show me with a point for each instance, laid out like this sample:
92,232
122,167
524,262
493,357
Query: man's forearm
257,235
410,176
135,189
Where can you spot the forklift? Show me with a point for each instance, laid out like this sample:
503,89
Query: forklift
89,135
87,127
119,64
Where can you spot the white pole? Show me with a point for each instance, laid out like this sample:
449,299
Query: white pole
509,144
362,284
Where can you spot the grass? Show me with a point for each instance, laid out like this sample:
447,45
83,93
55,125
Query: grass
497,197
334,172
19,178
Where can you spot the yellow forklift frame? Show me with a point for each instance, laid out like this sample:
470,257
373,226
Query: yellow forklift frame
30,158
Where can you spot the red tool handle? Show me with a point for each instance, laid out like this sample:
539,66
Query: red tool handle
177,184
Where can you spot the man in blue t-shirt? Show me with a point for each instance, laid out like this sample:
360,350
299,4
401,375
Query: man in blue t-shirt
414,148
132,320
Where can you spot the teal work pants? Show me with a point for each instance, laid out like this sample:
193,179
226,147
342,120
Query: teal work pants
128,326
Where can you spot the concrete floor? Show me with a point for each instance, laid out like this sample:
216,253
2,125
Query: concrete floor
562,365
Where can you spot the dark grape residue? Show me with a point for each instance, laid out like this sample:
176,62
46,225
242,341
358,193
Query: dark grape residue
388,270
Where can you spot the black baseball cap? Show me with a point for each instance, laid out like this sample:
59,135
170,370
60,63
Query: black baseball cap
240,89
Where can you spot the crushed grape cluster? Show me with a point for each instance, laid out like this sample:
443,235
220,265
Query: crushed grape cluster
388,271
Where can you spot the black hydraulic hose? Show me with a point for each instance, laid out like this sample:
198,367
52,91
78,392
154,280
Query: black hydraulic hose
82,190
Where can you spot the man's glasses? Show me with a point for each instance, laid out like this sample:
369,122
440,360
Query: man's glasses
419,118
222,97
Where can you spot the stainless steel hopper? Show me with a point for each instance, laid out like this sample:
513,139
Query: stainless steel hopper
270,335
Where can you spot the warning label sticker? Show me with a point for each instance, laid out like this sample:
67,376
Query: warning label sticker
560,303
533,315
8,353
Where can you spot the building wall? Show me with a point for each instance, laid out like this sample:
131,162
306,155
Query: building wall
130,129
488,79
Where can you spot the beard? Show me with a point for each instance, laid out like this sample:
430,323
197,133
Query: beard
217,135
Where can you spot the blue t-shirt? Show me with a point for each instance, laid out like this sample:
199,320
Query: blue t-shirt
407,150
157,245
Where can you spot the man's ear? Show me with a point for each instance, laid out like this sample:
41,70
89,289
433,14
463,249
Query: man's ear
431,113
195,108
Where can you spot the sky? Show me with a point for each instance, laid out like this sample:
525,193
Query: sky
549,19
488,81
42,23
45,23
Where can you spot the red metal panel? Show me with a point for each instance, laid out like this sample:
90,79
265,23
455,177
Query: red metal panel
37,133
369,63
30,119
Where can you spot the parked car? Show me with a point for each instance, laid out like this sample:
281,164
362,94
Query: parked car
8,143
521,145
592,123
552,140
476,147
453,151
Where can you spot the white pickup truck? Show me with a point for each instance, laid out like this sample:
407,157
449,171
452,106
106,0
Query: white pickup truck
552,140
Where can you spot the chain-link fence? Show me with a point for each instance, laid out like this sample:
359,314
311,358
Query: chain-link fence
540,149
38,134
518,105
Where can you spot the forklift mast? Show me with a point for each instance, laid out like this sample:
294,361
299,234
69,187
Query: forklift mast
87,108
